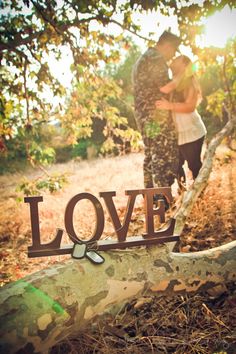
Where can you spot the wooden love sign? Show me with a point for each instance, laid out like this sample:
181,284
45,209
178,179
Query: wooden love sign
149,237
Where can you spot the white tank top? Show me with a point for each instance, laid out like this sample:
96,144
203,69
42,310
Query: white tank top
189,126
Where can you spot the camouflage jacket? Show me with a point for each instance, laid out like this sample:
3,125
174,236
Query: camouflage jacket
149,74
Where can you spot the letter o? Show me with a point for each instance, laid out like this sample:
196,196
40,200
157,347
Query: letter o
99,216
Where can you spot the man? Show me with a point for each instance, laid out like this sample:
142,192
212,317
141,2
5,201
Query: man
150,72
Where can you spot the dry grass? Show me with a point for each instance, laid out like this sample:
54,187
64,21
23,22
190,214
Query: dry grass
183,325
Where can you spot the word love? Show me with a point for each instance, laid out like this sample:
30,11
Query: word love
149,237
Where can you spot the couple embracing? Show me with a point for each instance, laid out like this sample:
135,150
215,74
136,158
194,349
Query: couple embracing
166,113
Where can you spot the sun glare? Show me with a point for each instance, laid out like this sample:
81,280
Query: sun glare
219,28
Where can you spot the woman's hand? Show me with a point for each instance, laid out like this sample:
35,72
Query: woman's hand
163,104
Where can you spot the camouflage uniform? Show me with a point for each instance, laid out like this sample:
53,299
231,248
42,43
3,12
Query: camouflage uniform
156,126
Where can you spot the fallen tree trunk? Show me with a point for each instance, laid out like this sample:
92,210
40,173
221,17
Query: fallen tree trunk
45,307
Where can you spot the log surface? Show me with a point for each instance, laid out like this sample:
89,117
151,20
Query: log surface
40,310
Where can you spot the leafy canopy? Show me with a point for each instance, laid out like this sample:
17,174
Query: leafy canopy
32,30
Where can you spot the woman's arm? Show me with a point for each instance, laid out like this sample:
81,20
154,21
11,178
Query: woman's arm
171,86
188,106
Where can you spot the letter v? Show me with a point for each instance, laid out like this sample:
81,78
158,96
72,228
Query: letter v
120,230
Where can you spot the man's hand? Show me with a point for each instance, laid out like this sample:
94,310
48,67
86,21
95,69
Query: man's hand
163,104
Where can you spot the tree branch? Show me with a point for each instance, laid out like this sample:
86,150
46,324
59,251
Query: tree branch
129,30
26,91
59,28
45,18
227,83
4,46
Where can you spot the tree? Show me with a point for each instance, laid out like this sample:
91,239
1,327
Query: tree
32,30
97,98
217,77
122,74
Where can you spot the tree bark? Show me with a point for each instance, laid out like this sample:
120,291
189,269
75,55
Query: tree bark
38,311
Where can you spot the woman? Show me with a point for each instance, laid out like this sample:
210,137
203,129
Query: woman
186,95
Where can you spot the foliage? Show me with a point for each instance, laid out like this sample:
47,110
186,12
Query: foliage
93,98
215,102
81,148
52,183
122,74
218,83
63,153
39,146
227,94
32,32
39,155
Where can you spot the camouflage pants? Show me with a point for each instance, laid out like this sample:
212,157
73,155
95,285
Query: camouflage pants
160,148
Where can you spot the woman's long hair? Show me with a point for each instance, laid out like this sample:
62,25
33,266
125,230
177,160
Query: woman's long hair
190,70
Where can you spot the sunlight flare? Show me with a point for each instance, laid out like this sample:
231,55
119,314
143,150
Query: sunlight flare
219,28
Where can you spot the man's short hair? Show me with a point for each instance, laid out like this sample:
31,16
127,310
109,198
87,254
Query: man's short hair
171,38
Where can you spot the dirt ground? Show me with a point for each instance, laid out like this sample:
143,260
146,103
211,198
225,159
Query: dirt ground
190,324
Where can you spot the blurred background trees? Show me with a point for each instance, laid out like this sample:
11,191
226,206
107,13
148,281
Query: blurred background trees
45,117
